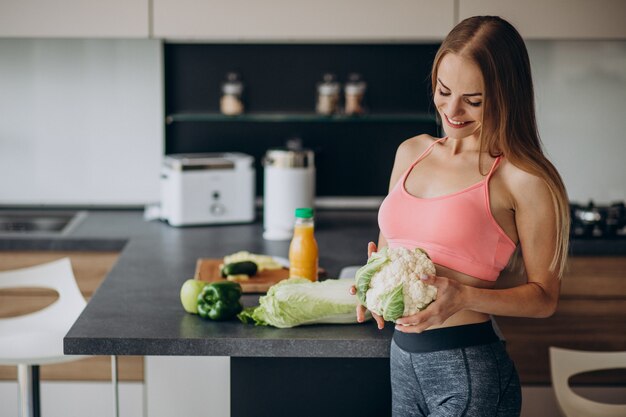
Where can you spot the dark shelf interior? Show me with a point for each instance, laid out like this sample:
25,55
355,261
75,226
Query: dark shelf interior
299,117
354,155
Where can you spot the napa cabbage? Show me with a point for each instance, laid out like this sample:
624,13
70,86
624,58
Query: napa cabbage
298,301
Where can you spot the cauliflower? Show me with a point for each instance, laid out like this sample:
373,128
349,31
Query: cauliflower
389,284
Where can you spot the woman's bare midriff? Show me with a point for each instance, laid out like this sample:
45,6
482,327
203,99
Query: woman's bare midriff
463,316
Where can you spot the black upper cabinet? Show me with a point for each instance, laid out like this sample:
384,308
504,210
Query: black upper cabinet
354,155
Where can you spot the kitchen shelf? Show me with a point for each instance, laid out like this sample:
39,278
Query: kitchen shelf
301,118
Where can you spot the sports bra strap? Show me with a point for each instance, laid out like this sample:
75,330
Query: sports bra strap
494,166
423,154
496,162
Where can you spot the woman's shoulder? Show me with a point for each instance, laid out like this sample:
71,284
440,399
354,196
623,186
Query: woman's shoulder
411,148
521,184
407,153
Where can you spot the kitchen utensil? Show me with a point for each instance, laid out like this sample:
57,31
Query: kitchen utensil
289,184
207,188
355,93
593,221
231,103
328,95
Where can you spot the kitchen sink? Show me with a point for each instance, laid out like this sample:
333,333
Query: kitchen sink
39,222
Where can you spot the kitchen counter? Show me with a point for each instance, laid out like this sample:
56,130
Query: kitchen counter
137,310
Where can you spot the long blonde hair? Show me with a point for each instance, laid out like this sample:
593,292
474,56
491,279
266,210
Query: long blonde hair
509,126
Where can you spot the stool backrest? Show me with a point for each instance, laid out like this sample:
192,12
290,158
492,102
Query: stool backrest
37,337
565,363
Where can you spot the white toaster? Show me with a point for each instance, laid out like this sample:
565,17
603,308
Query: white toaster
207,188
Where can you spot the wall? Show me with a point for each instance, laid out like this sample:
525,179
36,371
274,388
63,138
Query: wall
580,88
81,121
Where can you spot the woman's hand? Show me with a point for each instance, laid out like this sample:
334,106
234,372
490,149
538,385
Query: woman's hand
360,310
450,299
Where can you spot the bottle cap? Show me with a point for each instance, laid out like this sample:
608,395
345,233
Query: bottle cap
304,213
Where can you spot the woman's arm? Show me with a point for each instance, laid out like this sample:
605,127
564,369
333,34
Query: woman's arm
535,220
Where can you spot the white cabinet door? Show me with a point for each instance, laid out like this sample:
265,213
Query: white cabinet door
187,386
555,19
74,19
289,20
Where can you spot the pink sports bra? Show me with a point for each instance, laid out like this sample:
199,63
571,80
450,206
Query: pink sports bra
457,230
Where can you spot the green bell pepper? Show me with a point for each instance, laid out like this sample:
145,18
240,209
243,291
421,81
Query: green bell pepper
220,300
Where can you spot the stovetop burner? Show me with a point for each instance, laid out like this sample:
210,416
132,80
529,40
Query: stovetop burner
598,222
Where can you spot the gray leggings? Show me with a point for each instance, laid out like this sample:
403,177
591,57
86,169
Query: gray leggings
474,381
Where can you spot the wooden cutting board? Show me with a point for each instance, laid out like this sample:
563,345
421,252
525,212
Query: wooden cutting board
208,269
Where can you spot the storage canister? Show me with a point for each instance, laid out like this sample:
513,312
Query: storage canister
231,102
328,95
289,183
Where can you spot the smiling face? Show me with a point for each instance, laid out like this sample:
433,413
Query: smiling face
459,96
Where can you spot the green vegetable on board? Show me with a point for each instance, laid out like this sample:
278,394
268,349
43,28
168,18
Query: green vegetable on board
220,300
263,262
240,268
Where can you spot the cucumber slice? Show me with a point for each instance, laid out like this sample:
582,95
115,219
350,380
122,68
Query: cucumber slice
240,268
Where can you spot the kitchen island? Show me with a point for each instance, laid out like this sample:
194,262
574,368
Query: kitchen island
137,311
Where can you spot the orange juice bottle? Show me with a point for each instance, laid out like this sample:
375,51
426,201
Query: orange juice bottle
303,254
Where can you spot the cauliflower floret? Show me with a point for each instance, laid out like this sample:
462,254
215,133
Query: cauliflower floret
390,285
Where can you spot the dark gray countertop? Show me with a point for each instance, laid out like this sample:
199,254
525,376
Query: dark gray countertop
137,311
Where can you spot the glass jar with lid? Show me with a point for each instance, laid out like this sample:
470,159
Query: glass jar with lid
355,94
328,95
231,102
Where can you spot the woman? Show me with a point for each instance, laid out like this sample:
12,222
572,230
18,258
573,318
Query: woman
470,199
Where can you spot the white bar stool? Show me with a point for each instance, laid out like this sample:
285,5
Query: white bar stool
565,363
36,338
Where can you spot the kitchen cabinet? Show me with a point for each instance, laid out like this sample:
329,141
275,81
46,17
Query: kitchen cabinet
591,316
555,19
284,20
74,19
280,82
90,269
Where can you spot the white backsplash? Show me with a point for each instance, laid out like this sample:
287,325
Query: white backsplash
82,121
580,87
